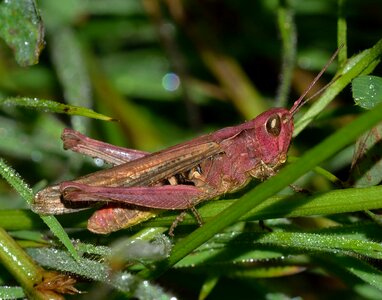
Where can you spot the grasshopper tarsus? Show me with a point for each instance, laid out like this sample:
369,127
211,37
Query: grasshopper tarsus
264,227
197,216
179,218
299,189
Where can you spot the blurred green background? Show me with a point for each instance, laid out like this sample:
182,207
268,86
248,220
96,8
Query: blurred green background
168,71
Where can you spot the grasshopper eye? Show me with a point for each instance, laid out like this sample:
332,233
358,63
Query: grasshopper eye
273,125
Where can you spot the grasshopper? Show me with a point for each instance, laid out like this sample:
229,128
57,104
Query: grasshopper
140,185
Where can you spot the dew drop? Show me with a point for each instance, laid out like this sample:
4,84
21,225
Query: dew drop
36,156
170,82
99,162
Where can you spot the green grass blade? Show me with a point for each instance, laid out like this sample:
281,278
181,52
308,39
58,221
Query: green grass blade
342,33
232,247
331,202
19,264
287,29
98,271
53,107
11,292
362,270
56,228
326,203
14,179
367,91
362,63
330,243
22,29
72,72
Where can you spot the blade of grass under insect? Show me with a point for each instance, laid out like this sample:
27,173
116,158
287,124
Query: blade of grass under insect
14,179
287,175
332,202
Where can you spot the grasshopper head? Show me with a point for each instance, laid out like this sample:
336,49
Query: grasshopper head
274,129
272,137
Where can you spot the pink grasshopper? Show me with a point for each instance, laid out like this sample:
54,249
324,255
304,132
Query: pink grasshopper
141,185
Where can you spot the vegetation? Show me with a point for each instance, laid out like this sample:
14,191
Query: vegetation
149,74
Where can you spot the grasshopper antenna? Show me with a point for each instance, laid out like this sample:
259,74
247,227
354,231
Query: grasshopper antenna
299,102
